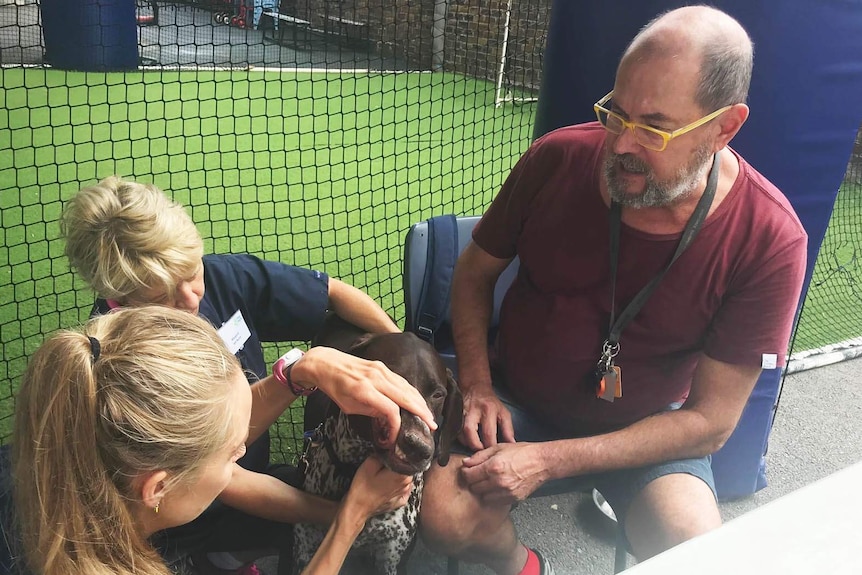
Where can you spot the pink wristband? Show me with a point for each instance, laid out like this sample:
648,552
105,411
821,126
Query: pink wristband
282,368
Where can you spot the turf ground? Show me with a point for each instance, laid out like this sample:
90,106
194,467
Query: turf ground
833,307
320,169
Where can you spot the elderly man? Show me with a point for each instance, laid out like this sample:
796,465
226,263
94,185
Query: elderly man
659,274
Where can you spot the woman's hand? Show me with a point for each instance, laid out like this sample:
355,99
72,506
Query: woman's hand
376,490
362,387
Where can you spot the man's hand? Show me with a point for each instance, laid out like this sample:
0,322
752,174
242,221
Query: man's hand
505,473
362,387
485,417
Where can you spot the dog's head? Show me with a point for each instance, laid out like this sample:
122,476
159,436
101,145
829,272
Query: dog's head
417,362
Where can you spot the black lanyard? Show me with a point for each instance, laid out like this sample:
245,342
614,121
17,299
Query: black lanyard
612,343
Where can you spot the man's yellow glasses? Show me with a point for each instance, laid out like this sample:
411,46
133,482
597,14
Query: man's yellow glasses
646,136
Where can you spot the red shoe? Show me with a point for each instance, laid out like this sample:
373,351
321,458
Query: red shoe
203,566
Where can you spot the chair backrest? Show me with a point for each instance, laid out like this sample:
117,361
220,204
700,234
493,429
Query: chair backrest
416,277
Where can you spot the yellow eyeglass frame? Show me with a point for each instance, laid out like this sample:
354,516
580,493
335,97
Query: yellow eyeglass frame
666,137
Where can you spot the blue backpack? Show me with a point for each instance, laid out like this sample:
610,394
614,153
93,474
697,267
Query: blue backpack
433,298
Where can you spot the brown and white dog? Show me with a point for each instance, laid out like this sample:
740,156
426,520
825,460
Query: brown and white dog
342,442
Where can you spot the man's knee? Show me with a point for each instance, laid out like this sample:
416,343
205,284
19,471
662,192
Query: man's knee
443,503
668,511
451,516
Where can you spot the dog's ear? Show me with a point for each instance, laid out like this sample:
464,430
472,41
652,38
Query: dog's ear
453,419
337,333
359,343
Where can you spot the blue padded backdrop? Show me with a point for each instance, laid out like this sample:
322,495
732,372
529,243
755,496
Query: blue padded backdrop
90,35
806,107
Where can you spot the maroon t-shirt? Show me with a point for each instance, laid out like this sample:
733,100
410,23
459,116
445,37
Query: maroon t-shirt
731,295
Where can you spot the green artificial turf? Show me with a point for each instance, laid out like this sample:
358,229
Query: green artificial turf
326,170
832,311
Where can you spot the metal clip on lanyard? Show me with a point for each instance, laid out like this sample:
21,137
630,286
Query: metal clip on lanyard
608,375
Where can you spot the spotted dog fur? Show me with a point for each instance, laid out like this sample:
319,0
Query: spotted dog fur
387,537
343,442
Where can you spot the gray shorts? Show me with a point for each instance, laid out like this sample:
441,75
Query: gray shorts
619,488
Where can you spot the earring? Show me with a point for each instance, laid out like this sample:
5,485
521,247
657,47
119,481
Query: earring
156,508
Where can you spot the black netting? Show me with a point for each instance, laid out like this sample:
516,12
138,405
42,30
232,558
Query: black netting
832,312
315,133
317,143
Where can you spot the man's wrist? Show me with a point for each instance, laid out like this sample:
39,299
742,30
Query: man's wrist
555,458
282,370
475,382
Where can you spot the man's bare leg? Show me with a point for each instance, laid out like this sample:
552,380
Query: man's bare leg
672,509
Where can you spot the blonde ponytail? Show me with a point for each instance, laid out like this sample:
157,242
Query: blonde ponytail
139,390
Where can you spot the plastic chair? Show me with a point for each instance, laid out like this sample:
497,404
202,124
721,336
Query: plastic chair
416,255
415,258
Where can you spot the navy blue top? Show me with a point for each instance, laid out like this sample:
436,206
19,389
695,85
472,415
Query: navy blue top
278,302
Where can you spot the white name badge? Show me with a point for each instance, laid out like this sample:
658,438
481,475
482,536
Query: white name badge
769,361
234,332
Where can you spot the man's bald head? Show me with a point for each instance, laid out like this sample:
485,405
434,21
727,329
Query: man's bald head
725,51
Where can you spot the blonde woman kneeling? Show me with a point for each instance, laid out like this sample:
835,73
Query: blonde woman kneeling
133,424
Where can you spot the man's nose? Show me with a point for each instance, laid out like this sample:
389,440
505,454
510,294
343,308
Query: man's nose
625,142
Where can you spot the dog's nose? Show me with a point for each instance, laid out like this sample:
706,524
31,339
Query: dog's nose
418,447
417,442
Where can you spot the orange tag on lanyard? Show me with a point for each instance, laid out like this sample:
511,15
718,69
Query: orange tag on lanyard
610,385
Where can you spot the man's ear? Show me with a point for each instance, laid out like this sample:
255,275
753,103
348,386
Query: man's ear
729,124
152,487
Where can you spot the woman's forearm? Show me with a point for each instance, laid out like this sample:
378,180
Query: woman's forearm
269,400
357,307
270,498
330,555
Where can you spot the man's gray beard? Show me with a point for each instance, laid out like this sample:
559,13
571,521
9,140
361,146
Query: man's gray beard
657,194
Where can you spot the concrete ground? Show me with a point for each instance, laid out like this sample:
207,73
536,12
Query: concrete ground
188,36
817,431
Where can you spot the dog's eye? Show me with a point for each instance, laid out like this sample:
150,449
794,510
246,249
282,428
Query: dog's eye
439,394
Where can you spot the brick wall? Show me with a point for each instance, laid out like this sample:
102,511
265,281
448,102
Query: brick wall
399,29
473,33
474,39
